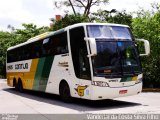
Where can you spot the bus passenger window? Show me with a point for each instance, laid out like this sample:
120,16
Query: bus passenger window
58,44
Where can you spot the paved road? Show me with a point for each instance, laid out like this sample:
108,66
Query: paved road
11,101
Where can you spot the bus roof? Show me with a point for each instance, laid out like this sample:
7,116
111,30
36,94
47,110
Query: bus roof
84,24
48,34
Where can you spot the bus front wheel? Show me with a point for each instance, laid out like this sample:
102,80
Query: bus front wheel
15,84
65,92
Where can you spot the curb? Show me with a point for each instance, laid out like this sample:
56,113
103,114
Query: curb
151,90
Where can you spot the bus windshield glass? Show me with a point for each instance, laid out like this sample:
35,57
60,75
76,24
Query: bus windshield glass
117,55
112,32
116,59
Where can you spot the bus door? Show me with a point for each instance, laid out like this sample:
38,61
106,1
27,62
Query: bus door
82,84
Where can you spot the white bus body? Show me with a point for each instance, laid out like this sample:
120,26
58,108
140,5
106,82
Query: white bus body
92,61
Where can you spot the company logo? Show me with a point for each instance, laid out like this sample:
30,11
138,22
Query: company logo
21,66
80,90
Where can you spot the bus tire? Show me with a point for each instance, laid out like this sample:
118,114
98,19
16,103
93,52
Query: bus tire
20,86
65,92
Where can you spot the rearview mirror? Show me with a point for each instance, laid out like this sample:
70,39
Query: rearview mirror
92,46
146,47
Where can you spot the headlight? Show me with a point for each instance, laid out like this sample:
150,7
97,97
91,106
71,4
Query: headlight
139,80
100,83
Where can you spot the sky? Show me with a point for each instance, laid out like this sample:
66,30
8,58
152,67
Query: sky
39,12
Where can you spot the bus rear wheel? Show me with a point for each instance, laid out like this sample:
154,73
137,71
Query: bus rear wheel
65,92
20,86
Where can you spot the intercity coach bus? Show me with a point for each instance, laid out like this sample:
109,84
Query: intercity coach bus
87,60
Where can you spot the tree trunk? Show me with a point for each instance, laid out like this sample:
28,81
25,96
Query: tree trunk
72,7
87,8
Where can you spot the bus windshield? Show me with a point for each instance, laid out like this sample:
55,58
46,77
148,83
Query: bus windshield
116,59
117,55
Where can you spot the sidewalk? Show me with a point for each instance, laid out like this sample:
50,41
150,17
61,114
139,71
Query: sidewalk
3,80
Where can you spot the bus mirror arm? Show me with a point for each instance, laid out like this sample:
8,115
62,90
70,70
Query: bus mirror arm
146,46
91,42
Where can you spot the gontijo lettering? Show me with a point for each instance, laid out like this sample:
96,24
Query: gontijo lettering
18,66
21,66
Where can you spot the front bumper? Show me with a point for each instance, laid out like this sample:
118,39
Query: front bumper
99,93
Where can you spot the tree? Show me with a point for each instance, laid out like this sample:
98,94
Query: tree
147,25
84,5
102,15
121,18
30,30
6,40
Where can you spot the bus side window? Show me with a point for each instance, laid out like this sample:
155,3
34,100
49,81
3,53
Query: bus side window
10,56
63,43
17,55
38,50
20,53
54,45
45,45
58,44
26,52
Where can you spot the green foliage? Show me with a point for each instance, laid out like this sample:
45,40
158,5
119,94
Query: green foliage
147,25
121,18
118,17
29,31
69,20
6,40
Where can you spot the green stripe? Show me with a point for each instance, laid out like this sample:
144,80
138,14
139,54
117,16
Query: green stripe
45,73
42,73
38,73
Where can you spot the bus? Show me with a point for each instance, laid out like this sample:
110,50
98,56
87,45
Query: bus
91,61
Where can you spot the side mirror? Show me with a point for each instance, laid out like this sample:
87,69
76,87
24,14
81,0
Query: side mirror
92,46
146,46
